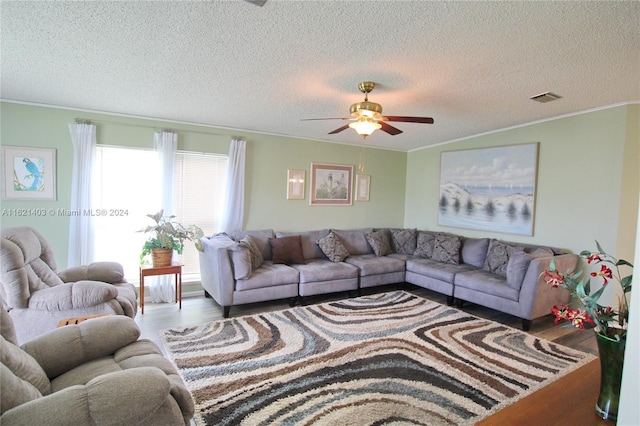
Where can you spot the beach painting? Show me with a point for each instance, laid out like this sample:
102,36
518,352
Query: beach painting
489,189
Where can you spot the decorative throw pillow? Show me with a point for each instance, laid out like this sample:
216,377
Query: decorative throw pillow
517,268
498,257
404,240
256,255
333,248
446,248
424,244
241,260
287,250
246,258
379,242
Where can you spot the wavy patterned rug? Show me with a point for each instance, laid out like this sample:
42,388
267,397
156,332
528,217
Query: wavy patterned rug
392,358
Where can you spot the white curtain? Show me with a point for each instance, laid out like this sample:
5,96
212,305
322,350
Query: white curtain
166,144
233,214
83,138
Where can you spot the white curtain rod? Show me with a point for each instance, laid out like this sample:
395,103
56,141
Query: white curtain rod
155,128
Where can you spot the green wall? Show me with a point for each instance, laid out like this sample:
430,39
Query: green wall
267,161
587,186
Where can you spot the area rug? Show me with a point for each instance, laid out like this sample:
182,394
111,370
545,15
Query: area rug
391,358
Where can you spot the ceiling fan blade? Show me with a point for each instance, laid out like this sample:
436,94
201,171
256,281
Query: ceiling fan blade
427,120
332,118
339,129
257,2
389,129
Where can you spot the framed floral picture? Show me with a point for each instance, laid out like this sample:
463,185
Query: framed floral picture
28,173
295,184
331,184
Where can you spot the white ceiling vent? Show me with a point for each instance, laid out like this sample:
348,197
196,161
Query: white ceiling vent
545,97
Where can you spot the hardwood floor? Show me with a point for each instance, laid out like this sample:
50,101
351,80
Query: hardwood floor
199,310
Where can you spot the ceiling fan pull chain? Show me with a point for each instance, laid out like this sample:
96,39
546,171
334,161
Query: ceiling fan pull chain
361,165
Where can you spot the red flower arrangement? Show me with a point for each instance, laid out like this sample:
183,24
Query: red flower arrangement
608,321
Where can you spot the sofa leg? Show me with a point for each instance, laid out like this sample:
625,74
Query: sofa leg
293,301
450,300
526,324
207,295
225,311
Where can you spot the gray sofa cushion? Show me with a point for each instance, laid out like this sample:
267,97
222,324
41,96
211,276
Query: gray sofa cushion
354,240
474,251
424,244
260,237
333,248
446,248
517,268
403,241
269,275
498,257
486,282
308,241
379,242
370,264
438,270
318,270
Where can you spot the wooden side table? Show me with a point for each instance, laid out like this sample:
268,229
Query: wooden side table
150,270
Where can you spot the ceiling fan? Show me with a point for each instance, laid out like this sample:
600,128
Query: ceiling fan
367,116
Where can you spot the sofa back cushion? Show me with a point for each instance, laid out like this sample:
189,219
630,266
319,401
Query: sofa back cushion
474,251
404,241
517,268
354,240
22,375
308,239
260,237
28,265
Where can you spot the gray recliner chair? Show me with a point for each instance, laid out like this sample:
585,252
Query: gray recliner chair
95,373
38,297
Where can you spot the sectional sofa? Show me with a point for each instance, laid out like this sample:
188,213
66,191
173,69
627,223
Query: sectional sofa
255,266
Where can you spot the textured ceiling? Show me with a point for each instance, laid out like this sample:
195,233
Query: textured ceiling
470,65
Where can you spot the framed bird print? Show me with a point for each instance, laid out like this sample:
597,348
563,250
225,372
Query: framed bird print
28,173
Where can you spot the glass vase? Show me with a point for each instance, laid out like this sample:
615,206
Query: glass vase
611,353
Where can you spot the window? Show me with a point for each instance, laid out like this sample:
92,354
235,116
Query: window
126,185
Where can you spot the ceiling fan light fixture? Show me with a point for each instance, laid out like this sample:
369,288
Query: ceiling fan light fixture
366,109
365,126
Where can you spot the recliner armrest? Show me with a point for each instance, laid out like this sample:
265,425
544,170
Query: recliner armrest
65,348
123,397
108,272
81,294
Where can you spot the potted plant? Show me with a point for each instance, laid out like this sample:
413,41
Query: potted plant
167,236
609,322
